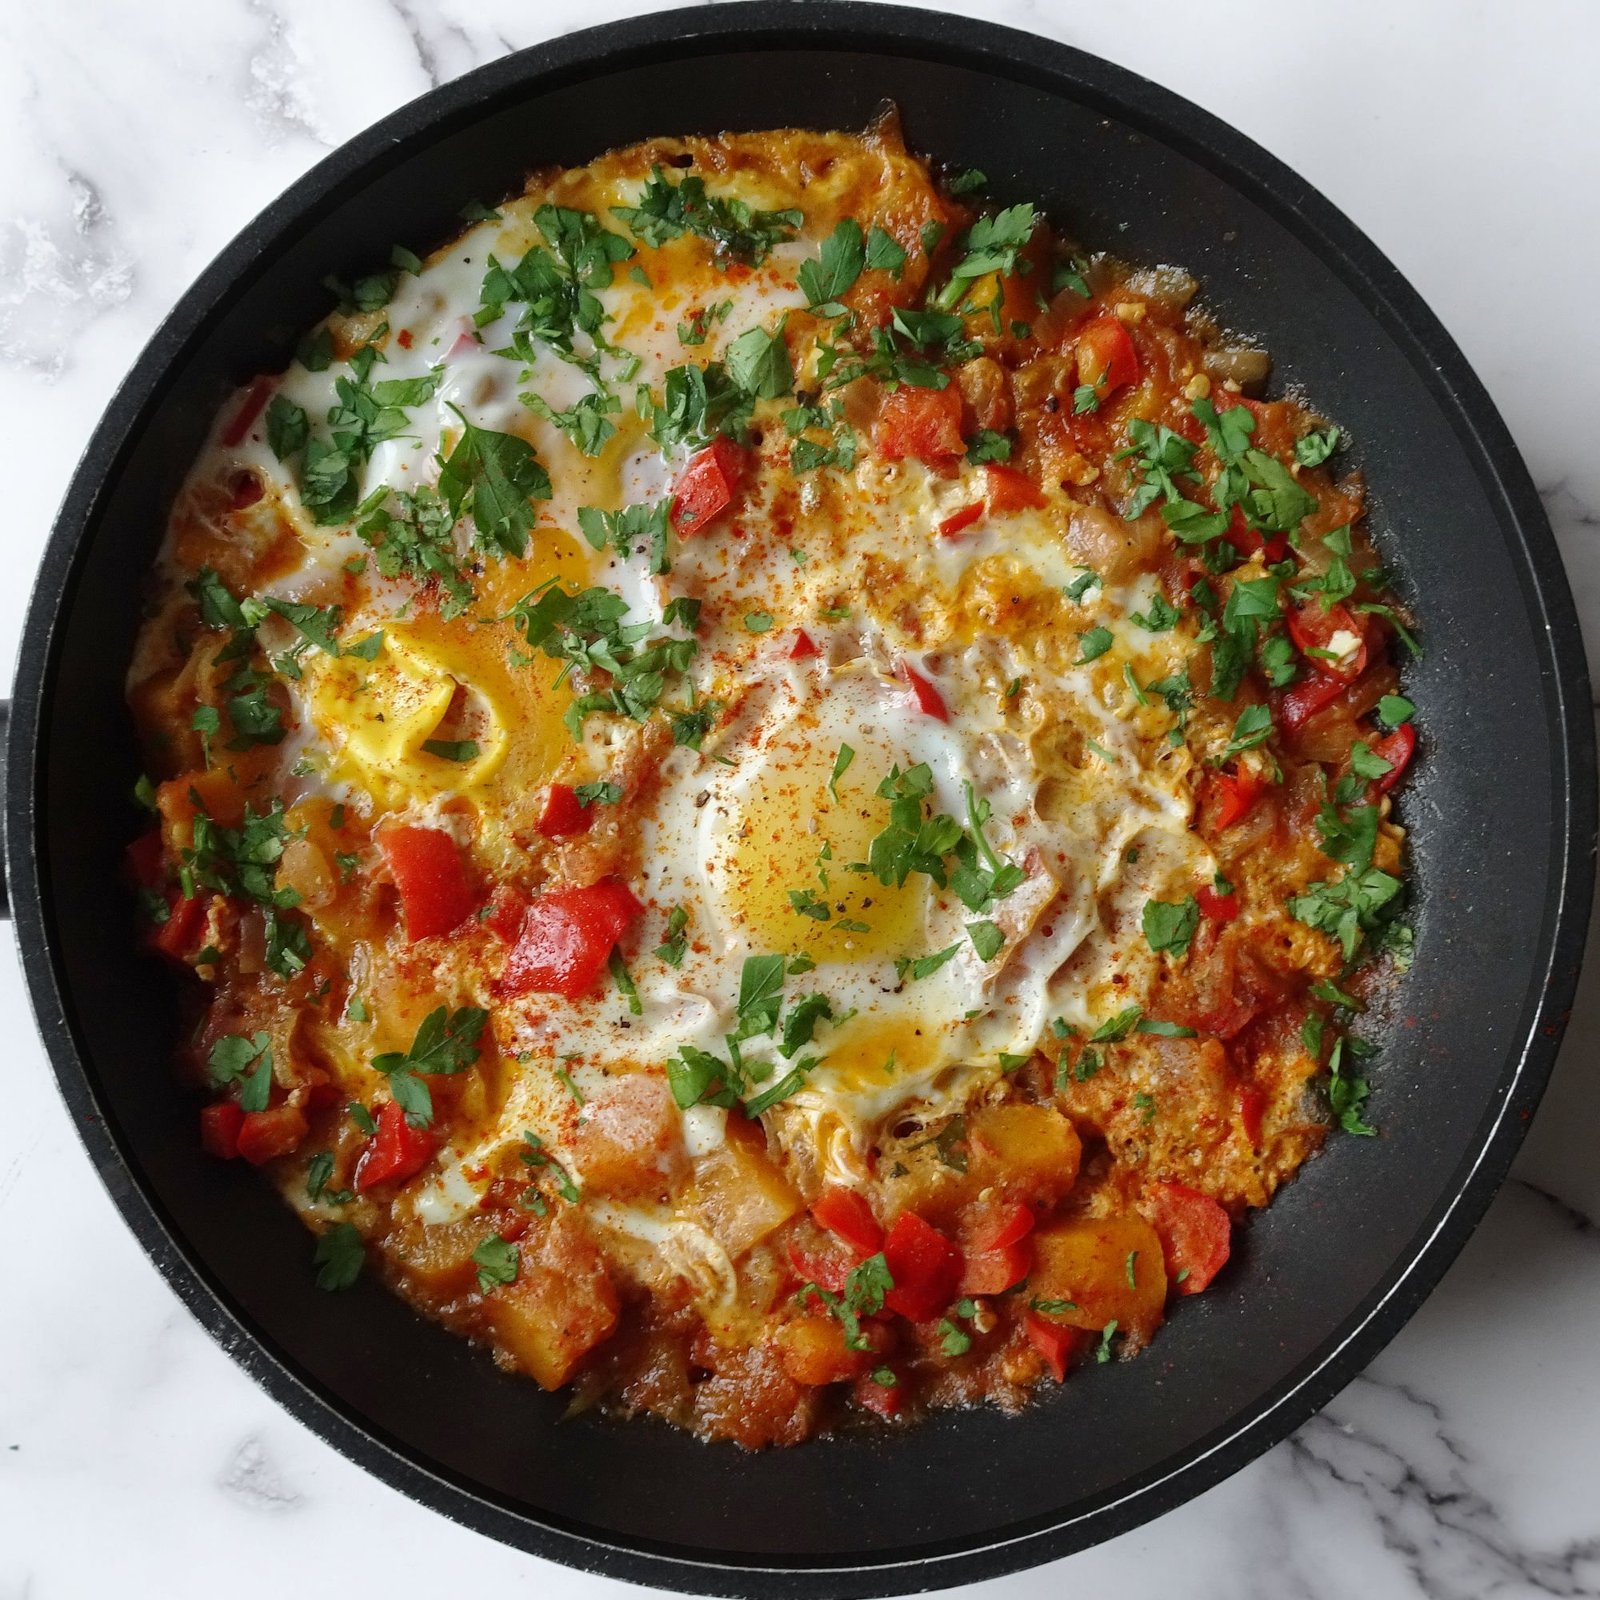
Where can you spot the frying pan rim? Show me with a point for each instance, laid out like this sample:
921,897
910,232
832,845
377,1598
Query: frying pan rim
846,26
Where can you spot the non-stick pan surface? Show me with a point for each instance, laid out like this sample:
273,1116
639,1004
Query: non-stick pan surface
1501,817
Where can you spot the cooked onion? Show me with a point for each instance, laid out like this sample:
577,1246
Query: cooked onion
1238,364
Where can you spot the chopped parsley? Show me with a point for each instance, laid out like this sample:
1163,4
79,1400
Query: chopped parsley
445,1044
1170,925
735,232
498,1262
339,1257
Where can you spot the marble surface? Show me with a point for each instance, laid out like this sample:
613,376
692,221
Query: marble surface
1464,137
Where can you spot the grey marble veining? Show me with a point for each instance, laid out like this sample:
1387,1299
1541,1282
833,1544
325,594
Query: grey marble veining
1465,139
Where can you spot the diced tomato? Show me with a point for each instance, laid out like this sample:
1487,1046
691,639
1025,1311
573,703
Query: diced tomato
1219,907
1010,490
925,1267
707,485
1053,1340
179,936
1312,628
995,1271
1306,699
566,938
1252,1104
1397,749
803,647
1239,791
846,1214
251,407
403,338
923,423
508,905
266,1135
1196,1234
828,1269
1107,360
432,879
219,1129
562,814
957,520
395,1151
887,1400
929,701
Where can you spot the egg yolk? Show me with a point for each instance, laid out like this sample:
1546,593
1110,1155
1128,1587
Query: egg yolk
443,707
787,877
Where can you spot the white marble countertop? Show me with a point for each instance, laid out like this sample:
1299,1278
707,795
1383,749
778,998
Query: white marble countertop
1464,139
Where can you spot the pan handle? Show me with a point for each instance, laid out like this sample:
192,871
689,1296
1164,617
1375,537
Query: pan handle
5,745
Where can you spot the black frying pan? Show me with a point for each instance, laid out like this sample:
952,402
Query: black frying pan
1501,813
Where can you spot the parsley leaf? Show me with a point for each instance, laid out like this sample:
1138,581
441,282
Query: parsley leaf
828,279
445,1044
758,362
884,252
497,476
1169,925
1094,644
673,949
339,1256
246,1061
632,528
586,422
498,1262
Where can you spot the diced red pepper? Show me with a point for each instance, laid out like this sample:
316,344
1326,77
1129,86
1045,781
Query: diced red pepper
219,1129
803,647
846,1214
1247,540
707,485
1238,791
562,814
827,1269
1306,699
922,423
1252,1106
958,520
566,938
508,905
403,338
995,1271
1312,628
997,1225
266,1135
1053,1340
432,879
887,1400
395,1150
1196,1234
1010,490
1219,907
1397,749
251,407
925,1266
929,701
1107,360
179,936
